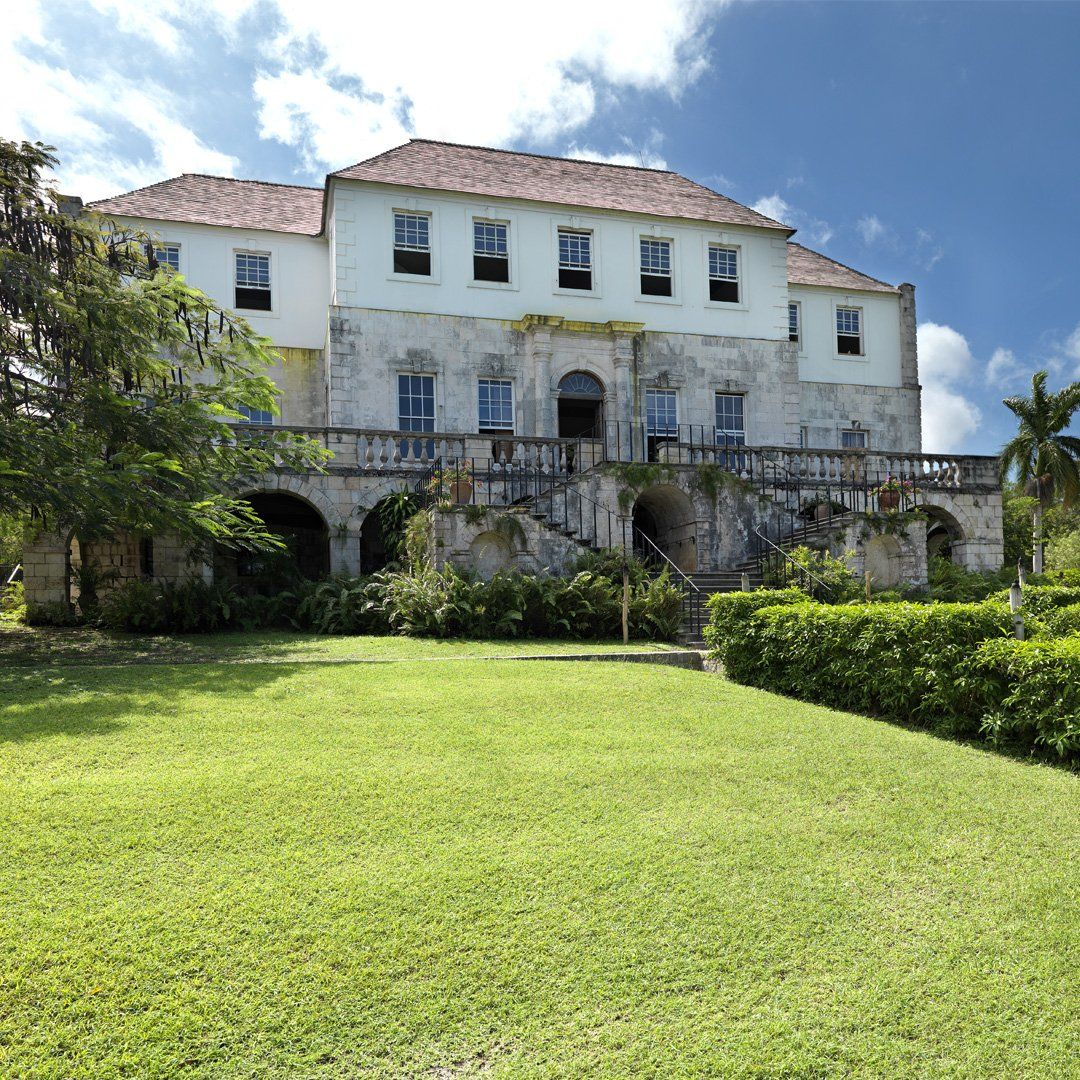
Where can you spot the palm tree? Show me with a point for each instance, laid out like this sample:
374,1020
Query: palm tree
1043,457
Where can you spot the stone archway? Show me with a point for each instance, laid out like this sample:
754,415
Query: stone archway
306,536
664,519
945,533
580,406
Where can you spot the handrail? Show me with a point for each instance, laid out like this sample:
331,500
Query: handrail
635,531
798,566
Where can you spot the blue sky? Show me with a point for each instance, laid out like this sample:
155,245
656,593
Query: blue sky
933,143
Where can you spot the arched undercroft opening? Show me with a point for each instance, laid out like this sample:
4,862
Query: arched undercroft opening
581,406
943,532
664,516
881,560
382,532
307,545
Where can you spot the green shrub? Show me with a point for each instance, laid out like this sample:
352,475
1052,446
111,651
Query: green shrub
1040,599
1068,576
902,661
1063,551
1060,621
953,584
824,577
53,613
12,604
728,611
1031,693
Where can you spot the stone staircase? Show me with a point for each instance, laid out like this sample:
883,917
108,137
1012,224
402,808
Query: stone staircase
695,612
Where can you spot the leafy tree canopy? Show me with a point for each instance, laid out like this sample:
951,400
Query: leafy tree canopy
117,377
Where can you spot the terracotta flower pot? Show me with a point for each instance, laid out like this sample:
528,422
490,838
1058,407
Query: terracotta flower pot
889,500
461,491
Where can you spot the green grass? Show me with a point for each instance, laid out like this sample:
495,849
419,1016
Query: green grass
516,870
44,647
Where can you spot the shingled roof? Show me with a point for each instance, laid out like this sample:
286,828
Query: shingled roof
806,267
508,174
219,200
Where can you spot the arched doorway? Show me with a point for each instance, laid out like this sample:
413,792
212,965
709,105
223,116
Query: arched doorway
943,532
307,545
664,519
581,406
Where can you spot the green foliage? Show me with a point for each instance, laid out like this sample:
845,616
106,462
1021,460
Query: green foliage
417,541
902,661
13,529
115,378
731,610
636,476
1017,512
53,613
12,604
1040,599
1060,621
953,584
1030,693
395,513
1063,551
835,582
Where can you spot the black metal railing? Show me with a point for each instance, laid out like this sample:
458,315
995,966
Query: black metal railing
693,597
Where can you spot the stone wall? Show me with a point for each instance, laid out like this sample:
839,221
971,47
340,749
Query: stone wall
891,416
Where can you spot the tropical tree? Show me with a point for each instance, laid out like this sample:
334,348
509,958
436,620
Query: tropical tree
1042,454
116,377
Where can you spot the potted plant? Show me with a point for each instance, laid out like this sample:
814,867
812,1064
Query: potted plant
455,483
891,491
818,508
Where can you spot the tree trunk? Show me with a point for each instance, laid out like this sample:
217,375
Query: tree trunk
1037,540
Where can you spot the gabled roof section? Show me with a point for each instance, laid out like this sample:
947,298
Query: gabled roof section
806,267
508,174
219,200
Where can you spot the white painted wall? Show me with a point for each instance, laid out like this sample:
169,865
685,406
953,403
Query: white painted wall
818,358
299,272
362,217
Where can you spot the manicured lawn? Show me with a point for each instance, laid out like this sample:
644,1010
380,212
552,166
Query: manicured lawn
38,647
516,870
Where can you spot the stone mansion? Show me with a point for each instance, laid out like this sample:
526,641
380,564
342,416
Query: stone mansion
594,338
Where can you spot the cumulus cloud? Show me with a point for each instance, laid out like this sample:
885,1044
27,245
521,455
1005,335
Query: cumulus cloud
645,156
775,206
945,362
1003,368
1071,347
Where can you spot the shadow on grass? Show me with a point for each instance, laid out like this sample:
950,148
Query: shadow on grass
86,701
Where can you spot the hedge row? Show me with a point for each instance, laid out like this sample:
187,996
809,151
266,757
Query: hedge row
423,604
1061,621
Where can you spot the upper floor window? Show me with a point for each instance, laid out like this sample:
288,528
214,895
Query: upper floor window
168,255
416,402
730,419
853,439
575,260
794,322
496,405
849,336
412,244
254,416
253,281
491,251
655,267
723,274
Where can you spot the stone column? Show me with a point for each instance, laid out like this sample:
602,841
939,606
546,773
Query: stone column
541,355
623,411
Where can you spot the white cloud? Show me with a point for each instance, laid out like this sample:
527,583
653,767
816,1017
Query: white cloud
779,209
357,77
82,115
645,156
871,229
945,359
1071,347
1003,367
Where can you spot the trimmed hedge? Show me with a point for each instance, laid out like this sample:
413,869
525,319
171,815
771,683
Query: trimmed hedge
728,610
1039,599
901,661
1061,621
1030,691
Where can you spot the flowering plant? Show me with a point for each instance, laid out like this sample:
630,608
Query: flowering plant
894,483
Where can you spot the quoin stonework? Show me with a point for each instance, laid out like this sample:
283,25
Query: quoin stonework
607,355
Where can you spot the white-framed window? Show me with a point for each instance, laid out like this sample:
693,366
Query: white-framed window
254,416
662,413
849,331
853,439
730,419
416,402
252,280
491,250
794,322
804,436
168,255
723,274
575,259
495,405
412,243
655,266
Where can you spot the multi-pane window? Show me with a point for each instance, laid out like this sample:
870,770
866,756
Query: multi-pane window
730,420
416,402
575,260
723,274
661,409
853,439
496,405
655,267
252,281
254,416
168,255
412,244
794,322
849,340
491,251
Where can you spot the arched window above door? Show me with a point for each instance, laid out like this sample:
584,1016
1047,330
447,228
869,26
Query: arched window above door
580,384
